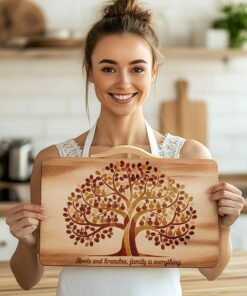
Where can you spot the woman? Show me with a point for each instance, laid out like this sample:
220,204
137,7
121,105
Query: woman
121,61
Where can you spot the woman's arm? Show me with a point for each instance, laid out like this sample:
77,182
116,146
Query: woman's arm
229,202
23,222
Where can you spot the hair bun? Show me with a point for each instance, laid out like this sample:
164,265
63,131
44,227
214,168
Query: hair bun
127,7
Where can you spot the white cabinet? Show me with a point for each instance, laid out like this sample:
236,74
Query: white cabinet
239,237
8,242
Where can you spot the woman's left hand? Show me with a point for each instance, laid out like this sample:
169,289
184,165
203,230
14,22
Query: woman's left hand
229,200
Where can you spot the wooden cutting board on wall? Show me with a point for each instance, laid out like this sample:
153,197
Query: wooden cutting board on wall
183,117
148,212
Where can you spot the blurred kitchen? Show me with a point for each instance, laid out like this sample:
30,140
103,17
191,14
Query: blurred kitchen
42,86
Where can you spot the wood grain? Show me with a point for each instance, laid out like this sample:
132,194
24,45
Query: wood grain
105,212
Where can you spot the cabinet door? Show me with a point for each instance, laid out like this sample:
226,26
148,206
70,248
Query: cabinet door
8,242
239,239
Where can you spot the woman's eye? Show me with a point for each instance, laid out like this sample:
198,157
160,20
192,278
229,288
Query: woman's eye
108,70
137,70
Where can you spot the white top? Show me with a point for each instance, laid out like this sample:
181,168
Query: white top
120,281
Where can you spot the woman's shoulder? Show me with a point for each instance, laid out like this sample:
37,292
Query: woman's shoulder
48,152
53,150
194,149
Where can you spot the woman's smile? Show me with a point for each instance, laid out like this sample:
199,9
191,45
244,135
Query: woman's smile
123,98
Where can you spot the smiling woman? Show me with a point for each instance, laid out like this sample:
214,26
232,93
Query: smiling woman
122,73
121,61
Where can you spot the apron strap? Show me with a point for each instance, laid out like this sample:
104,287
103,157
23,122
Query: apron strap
151,138
88,141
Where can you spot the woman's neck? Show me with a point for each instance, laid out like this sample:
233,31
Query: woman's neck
124,130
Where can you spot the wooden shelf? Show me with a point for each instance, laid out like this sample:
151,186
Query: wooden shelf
169,53
202,53
39,53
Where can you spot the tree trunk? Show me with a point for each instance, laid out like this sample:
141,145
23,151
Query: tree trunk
128,247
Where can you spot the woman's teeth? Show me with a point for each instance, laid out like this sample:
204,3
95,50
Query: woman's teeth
122,97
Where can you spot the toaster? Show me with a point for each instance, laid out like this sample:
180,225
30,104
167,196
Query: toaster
20,160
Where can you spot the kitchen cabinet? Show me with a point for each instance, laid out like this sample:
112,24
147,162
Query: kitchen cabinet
8,242
239,239
23,192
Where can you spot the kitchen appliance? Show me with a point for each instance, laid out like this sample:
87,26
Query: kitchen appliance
16,160
4,149
20,160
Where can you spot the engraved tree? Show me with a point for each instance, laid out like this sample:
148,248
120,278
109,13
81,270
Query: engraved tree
132,197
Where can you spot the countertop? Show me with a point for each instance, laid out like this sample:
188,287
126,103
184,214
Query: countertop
232,282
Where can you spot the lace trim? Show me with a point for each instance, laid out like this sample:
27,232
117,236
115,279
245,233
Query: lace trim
69,148
169,148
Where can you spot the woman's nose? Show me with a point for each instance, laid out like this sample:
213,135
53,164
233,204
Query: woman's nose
123,80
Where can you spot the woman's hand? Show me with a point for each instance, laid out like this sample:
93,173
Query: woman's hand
23,220
229,200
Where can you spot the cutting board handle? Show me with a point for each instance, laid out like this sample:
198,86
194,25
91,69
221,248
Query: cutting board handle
182,88
125,149
182,106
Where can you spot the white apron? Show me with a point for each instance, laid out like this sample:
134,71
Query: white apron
119,281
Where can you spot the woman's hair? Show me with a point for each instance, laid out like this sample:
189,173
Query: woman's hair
119,17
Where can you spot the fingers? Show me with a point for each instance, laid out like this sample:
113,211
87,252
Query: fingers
24,211
224,186
27,207
24,219
227,211
24,232
226,203
224,194
229,201
24,223
22,215
229,207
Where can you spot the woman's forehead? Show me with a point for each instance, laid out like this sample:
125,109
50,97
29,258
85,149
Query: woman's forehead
124,47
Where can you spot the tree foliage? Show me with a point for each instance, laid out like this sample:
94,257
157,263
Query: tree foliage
135,198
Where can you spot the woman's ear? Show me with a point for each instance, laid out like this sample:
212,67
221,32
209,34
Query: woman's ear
155,72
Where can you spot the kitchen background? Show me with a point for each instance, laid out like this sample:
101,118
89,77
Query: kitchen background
42,91
42,98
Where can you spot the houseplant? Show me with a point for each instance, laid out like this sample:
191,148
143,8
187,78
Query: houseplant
235,22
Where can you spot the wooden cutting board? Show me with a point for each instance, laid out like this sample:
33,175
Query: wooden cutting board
20,18
149,211
183,117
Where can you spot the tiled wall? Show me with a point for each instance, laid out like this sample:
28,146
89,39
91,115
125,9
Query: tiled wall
44,98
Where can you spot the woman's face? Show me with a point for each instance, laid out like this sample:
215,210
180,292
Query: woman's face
122,73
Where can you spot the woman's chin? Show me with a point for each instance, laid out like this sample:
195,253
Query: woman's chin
120,112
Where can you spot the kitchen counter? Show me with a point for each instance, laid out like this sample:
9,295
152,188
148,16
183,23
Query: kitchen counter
233,281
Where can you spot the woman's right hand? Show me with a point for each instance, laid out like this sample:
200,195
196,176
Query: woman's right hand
23,220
